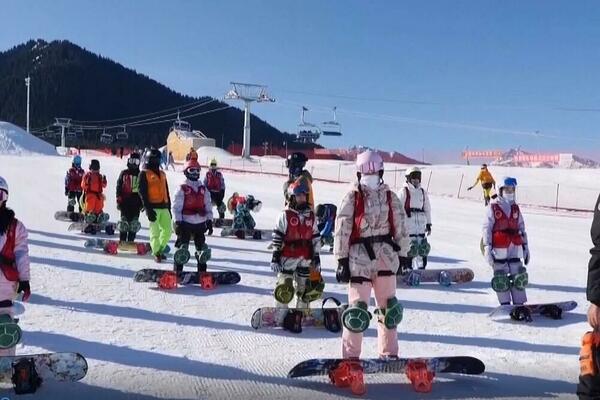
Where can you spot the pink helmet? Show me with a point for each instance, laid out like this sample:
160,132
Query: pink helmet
369,162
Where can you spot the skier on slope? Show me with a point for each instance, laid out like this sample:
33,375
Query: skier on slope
295,164
154,191
215,183
505,245
128,199
418,217
487,182
296,245
370,236
73,184
14,263
192,211
93,184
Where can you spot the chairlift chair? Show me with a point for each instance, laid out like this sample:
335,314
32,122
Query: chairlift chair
122,135
106,138
332,128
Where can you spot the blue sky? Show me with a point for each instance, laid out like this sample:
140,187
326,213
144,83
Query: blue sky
405,76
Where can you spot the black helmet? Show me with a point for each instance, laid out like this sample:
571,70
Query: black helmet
133,162
152,157
95,165
296,160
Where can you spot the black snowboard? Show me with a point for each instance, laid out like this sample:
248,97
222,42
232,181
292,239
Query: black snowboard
455,365
220,277
68,216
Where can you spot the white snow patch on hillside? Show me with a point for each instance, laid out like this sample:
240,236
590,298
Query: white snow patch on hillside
16,141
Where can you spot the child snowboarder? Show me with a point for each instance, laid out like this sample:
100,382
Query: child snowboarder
505,244
192,211
370,236
326,223
295,164
215,183
128,199
487,182
418,216
73,184
14,263
154,191
93,184
240,207
296,245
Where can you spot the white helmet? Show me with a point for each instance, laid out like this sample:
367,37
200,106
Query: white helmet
411,170
3,190
369,162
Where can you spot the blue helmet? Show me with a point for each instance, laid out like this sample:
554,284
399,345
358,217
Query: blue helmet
77,160
509,181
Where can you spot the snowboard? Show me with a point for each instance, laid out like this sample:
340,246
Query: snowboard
454,365
272,317
535,309
68,216
222,222
220,277
114,246
457,275
94,227
64,367
256,234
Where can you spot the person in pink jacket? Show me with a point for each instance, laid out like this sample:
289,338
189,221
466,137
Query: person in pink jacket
370,238
14,263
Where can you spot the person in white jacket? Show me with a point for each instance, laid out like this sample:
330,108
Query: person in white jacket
418,216
505,244
192,212
14,263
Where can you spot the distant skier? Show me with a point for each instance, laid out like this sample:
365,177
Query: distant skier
14,263
487,182
370,237
326,214
505,244
418,215
73,179
191,155
192,211
295,164
93,184
128,199
154,191
171,161
296,246
215,183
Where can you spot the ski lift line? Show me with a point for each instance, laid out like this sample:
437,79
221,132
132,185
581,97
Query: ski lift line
186,116
143,115
338,96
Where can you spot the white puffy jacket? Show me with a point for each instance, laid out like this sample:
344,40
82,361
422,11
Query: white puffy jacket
8,288
419,200
177,207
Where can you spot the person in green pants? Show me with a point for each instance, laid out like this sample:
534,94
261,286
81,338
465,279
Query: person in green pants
154,192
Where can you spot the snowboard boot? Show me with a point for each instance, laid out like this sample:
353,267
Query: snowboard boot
109,229
424,260
25,377
419,376
10,332
521,313
256,235
293,321
349,373
168,281
90,229
123,236
240,234
589,355
356,318
445,278
131,236
551,311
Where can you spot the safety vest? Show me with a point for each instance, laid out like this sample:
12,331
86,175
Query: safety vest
74,177
130,184
359,213
297,242
157,187
7,255
506,228
213,181
193,202
93,182
407,208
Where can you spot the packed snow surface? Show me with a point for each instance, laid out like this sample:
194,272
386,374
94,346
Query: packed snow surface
142,343
15,140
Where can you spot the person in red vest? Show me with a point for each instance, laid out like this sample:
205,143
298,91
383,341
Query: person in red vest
296,246
215,183
73,184
14,263
129,201
369,242
192,212
93,184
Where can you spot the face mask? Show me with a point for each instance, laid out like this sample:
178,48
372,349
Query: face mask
415,182
509,197
370,181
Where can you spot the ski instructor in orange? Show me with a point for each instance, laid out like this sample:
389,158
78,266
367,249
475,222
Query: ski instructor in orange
487,182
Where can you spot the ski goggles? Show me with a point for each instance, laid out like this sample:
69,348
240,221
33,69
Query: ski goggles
135,161
193,171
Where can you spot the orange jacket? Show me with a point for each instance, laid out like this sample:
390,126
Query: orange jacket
484,177
93,182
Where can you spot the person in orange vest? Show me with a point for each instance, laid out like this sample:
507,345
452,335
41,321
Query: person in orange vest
14,263
215,183
487,182
154,191
192,211
93,184
191,155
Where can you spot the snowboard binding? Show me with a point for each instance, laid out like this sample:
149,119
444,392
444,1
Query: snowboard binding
293,321
331,316
419,376
349,374
207,281
521,313
111,247
551,311
168,281
25,378
445,279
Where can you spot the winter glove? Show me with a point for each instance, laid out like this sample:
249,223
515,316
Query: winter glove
209,227
151,214
428,229
177,228
525,254
66,192
342,275
276,262
316,263
487,254
119,201
404,265
24,287
469,188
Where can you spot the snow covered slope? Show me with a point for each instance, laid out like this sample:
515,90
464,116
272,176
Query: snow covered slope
14,140
142,343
